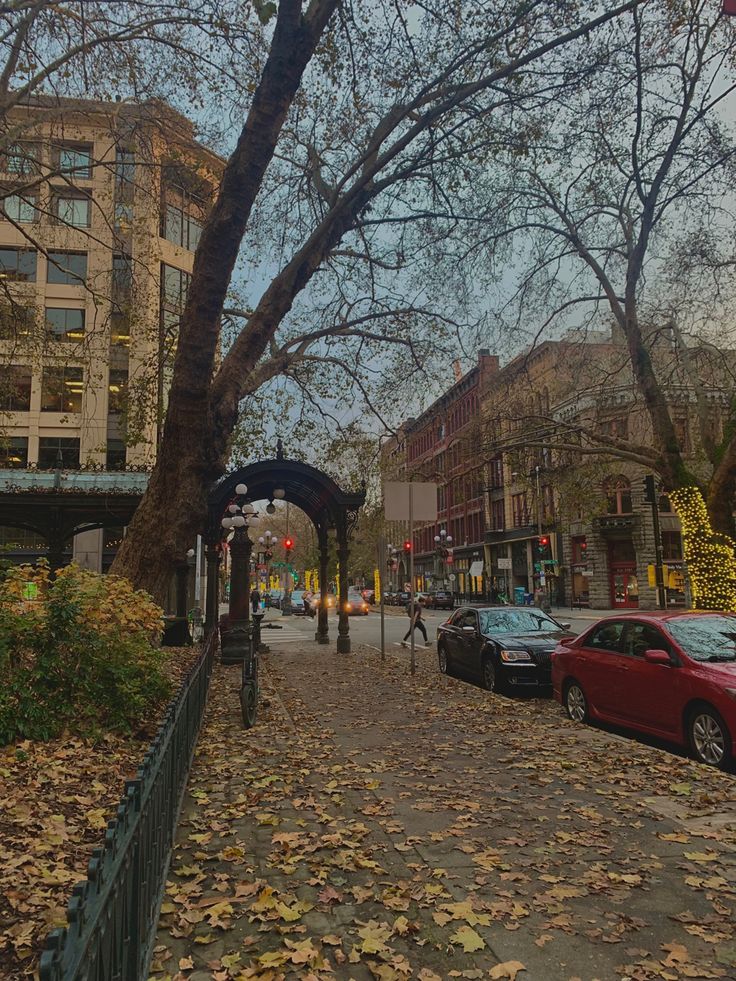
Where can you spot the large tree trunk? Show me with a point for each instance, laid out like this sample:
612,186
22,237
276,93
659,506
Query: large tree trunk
171,511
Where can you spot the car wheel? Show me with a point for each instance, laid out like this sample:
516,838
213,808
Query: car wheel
443,659
488,675
576,704
709,738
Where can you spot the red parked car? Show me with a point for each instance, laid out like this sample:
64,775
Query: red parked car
669,674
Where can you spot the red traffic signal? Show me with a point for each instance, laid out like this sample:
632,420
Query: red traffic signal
288,544
544,541
407,546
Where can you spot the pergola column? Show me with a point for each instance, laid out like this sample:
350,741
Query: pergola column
240,551
322,636
343,621
212,556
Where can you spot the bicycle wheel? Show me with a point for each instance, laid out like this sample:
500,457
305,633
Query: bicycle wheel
249,704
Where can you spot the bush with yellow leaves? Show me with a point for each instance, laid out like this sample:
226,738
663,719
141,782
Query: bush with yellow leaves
79,652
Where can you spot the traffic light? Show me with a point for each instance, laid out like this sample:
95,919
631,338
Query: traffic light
650,493
543,545
288,543
407,546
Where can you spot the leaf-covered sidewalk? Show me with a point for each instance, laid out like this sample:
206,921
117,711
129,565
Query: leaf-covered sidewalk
375,825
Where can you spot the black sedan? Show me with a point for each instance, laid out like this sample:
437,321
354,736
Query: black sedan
504,647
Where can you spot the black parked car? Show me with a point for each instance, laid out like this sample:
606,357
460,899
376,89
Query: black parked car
505,647
441,600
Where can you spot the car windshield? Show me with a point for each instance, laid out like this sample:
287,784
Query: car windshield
515,621
705,638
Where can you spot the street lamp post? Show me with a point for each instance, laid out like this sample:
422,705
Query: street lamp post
267,542
392,564
442,549
238,518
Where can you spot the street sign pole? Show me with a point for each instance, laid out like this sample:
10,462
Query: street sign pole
411,577
381,554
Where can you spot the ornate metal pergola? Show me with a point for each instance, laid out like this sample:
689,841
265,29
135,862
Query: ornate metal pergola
331,510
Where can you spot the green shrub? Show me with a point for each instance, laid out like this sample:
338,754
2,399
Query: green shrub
79,653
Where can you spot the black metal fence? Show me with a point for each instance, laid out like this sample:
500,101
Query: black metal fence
112,916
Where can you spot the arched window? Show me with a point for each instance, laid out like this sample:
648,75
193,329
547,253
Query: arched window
618,495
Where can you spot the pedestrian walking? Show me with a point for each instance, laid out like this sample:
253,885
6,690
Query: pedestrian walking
415,623
255,599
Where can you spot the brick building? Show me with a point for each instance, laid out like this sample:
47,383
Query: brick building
441,445
592,509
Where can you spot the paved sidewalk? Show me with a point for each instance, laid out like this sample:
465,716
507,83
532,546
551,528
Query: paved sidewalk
375,825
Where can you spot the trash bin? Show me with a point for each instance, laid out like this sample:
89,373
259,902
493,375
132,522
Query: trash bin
519,595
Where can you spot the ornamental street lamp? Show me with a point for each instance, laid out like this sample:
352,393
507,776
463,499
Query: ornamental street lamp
442,552
267,541
237,519
392,564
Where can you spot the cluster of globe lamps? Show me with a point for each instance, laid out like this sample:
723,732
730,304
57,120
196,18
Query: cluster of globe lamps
243,516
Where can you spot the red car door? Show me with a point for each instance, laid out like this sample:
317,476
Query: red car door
653,696
601,667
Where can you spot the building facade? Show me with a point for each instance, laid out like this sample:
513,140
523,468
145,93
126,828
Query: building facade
102,206
441,446
599,526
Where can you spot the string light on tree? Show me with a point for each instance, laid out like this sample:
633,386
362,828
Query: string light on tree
709,555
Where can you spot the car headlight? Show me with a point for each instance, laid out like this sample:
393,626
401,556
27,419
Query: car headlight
515,656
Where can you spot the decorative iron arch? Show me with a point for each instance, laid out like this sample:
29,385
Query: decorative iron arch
326,504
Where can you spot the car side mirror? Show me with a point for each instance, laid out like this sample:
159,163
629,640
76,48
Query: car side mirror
468,630
657,657
565,626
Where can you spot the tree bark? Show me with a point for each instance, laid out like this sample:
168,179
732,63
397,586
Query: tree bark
187,463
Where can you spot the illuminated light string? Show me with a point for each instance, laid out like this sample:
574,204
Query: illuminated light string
709,554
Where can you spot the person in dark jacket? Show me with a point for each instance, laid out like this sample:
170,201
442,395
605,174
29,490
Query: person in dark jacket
255,600
415,623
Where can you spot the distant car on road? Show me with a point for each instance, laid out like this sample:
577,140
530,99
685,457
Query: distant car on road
671,675
441,600
356,604
315,601
504,647
369,595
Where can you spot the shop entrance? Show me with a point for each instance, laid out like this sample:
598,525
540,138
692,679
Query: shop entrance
623,578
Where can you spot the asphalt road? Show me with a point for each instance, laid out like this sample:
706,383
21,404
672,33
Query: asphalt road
367,629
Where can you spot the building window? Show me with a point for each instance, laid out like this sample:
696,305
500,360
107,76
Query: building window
21,159
497,473
122,276
124,175
15,395
174,288
682,432
65,325
21,207
73,209
119,329
73,159
672,546
618,493
618,427
18,265
579,550
123,216
498,517
67,268
117,391
16,321
519,510
14,452
664,504
548,502
181,228
115,456
58,451
61,390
